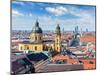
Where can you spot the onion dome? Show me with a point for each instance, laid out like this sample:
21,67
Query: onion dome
36,28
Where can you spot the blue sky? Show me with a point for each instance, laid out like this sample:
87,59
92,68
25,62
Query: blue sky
24,15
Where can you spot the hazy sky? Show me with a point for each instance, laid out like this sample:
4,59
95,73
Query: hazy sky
24,15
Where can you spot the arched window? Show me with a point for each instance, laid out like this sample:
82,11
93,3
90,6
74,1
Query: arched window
40,38
26,47
57,40
21,48
57,48
35,38
35,47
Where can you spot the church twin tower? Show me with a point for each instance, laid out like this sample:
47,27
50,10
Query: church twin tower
58,38
37,36
38,44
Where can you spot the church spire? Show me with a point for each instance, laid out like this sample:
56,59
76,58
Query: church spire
58,29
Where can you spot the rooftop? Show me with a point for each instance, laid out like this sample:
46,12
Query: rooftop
60,57
88,38
60,67
45,42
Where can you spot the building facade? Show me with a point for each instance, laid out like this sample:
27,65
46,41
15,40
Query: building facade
37,44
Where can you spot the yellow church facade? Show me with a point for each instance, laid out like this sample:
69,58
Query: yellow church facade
37,44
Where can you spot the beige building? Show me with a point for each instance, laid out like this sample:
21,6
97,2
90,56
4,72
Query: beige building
37,44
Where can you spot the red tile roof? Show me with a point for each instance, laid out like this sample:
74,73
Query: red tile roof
73,61
87,64
60,58
88,38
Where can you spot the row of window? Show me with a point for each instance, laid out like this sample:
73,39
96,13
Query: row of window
36,38
27,47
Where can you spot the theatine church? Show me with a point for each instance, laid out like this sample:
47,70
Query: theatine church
36,42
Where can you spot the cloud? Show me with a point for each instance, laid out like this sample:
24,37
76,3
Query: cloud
16,13
58,11
84,22
19,3
49,23
80,12
30,14
86,18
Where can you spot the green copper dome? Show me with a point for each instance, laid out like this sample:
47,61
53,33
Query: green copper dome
36,28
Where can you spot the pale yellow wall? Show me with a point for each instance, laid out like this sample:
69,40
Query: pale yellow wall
20,47
58,43
36,37
56,46
31,47
50,45
57,39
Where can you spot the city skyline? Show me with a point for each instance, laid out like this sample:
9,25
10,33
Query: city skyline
68,16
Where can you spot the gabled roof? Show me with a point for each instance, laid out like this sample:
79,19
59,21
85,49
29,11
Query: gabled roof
19,64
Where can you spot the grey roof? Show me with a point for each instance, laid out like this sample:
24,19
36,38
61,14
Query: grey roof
75,42
36,28
24,63
37,56
60,67
28,42
19,66
48,41
43,42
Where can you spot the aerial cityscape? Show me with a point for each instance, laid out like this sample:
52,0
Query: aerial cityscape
52,37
